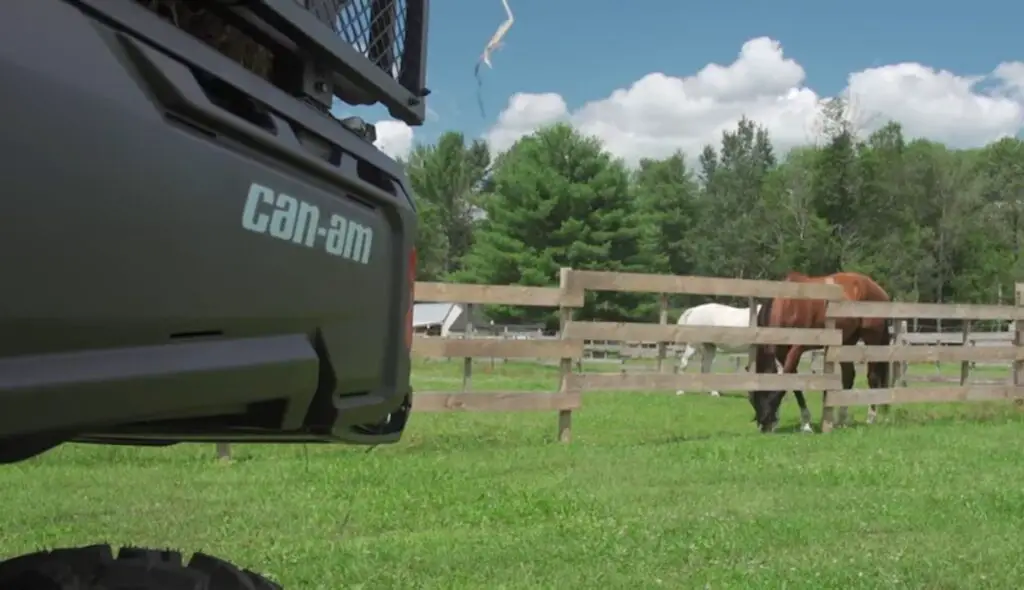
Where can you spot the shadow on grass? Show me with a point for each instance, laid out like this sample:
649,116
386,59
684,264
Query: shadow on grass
692,438
496,439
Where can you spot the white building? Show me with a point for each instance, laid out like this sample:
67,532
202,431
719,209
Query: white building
444,319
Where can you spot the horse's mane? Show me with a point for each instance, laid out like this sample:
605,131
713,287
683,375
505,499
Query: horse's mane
796,277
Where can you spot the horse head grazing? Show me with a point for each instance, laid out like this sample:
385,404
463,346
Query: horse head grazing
766,407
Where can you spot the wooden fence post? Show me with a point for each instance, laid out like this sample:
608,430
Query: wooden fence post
897,367
224,451
467,362
827,368
565,364
752,322
662,320
1018,341
965,366
898,377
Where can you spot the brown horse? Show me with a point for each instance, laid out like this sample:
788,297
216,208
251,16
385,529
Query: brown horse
784,312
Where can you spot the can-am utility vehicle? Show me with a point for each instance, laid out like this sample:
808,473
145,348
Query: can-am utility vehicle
193,248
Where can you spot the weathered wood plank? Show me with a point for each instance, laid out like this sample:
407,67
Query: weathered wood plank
654,283
914,395
425,346
942,311
986,338
923,354
500,401
949,379
702,382
639,332
932,379
427,292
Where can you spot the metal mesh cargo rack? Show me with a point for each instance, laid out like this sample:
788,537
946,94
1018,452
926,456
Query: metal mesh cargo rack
361,51
388,34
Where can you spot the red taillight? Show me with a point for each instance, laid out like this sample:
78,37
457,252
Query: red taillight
411,278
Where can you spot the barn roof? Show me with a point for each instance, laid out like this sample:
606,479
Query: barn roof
430,314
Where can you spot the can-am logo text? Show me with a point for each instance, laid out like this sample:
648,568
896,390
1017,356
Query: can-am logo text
286,218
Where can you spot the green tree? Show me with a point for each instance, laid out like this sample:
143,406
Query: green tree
928,222
431,244
666,196
734,211
999,168
797,238
835,184
558,200
446,177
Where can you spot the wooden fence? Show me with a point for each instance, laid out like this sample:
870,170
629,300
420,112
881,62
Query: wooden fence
565,349
904,352
966,336
904,337
570,294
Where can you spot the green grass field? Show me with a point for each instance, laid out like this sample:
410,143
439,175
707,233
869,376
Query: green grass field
656,491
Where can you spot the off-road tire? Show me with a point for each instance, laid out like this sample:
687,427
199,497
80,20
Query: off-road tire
95,568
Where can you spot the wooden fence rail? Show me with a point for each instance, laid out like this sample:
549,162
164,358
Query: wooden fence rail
904,351
565,349
569,295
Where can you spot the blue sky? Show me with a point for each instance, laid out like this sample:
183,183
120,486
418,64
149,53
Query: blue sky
584,49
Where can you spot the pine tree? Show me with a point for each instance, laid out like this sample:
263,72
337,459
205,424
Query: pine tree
558,200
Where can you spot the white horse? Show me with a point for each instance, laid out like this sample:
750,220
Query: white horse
718,315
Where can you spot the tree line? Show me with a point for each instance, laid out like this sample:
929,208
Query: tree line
929,223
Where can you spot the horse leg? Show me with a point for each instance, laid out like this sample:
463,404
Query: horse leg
684,360
849,374
707,360
878,377
878,373
792,361
805,414
792,358
872,408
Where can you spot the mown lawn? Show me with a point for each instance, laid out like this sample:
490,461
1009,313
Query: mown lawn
656,491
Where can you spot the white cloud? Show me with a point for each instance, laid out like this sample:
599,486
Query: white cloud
659,114
394,138
1011,75
937,104
526,112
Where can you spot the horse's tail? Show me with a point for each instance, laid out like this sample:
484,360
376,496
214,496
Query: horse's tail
764,313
